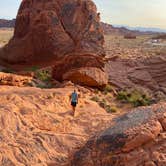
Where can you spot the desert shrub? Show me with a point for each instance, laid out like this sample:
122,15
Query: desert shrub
123,95
107,89
95,98
96,91
43,75
7,70
134,97
103,103
113,109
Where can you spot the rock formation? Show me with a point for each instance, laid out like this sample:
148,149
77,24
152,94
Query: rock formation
87,76
37,126
64,33
135,139
149,73
14,80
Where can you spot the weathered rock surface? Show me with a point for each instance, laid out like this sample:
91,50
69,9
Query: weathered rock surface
14,80
37,126
149,73
64,33
89,76
135,139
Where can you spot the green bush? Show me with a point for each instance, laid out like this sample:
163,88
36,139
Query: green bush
43,75
107,89
103,103
114,109
7,70
96,91
95,98
134,97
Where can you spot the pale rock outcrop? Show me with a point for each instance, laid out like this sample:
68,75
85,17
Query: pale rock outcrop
135,139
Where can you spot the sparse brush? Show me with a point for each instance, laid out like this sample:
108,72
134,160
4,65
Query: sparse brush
7,70
107,89
111,109
134,97
95,98
43,75
96,91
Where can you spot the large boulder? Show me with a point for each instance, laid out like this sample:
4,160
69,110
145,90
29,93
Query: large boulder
56,32
134,139
148,73
87,76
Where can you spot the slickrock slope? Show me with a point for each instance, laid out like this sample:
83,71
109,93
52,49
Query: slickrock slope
37,128
14,80
149,73
135,139
64,33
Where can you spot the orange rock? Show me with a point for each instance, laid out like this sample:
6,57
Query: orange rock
14,80
56,32
136,138
87,76
37,126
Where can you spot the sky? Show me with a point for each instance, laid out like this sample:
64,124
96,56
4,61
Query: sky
142,13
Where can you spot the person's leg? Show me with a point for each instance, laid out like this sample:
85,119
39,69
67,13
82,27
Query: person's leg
73,108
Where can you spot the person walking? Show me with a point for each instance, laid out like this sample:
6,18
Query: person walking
74,101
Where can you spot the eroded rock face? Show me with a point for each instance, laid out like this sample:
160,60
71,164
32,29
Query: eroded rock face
14,80
62,33
149,73
49,32
88,76
136,139
37,126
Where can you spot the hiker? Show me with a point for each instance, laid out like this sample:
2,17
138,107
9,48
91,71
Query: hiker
74,100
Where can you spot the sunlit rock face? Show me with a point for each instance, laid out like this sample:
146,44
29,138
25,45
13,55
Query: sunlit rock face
56,32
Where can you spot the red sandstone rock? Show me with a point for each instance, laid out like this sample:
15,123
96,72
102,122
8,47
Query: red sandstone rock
38,129
87,76
149,73
14,80
64,33
136,139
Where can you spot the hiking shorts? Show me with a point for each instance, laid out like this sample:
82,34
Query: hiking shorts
74,104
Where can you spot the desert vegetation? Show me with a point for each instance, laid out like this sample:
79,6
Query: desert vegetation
5,35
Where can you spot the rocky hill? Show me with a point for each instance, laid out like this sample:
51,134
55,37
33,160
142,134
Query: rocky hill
112,30
135,139
109,29
7,23
70,39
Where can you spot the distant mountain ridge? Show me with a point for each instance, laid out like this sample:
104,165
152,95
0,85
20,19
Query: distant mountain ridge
126,30
7,23
108,28
142,29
